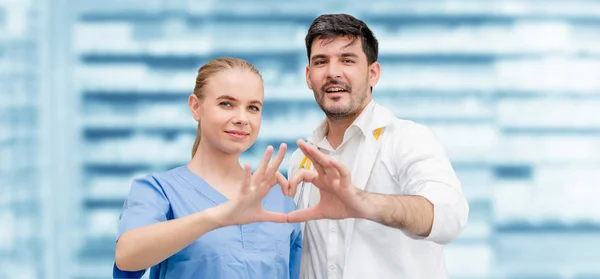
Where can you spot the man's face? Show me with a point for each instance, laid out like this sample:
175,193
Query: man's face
340,76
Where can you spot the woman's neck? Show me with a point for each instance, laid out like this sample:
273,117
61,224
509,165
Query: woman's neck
216,166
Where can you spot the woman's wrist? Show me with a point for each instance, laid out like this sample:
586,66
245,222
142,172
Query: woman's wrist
215,217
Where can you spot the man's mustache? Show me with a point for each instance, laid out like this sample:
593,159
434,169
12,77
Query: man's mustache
343,85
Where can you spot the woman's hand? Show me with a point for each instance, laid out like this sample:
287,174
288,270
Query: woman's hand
247,206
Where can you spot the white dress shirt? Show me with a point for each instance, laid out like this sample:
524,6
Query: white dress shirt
405,159
328,261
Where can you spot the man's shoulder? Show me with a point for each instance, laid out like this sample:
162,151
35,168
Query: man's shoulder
405,128
405,137
395,125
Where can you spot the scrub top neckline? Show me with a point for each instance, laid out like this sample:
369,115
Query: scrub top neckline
204,188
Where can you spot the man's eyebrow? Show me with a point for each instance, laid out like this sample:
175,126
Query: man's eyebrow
349,54
318,56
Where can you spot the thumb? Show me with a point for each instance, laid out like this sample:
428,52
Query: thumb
275,217
306,214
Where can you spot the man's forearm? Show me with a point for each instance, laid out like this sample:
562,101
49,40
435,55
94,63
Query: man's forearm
413,214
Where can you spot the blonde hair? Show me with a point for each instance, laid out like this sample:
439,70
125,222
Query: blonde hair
210,69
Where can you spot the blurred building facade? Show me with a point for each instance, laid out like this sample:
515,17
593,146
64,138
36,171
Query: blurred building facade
93,94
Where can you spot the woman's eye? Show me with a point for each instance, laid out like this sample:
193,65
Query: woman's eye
254,108
225,104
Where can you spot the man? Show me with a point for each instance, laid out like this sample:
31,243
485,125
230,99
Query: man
385,199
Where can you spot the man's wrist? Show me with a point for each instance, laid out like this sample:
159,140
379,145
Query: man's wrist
366,209
383,209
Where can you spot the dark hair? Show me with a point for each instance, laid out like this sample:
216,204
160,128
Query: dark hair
330,26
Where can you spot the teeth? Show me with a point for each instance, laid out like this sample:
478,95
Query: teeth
335,90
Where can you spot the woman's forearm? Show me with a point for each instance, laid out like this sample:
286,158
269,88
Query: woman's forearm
147,246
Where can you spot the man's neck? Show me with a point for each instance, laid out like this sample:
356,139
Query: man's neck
336,127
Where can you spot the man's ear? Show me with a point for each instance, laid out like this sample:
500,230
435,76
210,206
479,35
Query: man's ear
195,106
308,78
374,73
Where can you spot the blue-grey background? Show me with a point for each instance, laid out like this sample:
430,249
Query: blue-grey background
93,93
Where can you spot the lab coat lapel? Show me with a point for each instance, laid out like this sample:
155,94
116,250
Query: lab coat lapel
369,151
302,198
305,200
305,195
307,186
361,172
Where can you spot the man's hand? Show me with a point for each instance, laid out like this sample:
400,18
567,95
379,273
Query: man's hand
339,198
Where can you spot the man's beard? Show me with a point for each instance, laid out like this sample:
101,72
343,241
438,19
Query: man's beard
335,113
339,113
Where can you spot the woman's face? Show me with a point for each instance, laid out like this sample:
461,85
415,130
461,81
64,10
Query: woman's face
231,111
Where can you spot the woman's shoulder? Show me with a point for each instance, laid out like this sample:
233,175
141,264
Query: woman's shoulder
157,179
169,173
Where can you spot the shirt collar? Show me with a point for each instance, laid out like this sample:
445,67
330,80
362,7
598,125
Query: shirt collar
362,122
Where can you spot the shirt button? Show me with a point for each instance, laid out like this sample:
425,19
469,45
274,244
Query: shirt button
332,229
331,267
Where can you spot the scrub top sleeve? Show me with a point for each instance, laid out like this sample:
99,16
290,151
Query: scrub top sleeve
145,204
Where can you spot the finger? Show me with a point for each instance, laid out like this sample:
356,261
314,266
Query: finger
274,166
333,172
316,156
275,217
262,166
300,176
304,150
283,182
344,174
310,155
303,215
247,178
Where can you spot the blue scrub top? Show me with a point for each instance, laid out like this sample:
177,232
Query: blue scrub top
257,250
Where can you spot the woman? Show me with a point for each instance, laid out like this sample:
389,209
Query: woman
212,218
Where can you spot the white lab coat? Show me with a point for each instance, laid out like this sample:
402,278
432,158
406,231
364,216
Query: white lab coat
405,160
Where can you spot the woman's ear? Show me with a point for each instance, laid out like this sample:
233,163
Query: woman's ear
195,106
